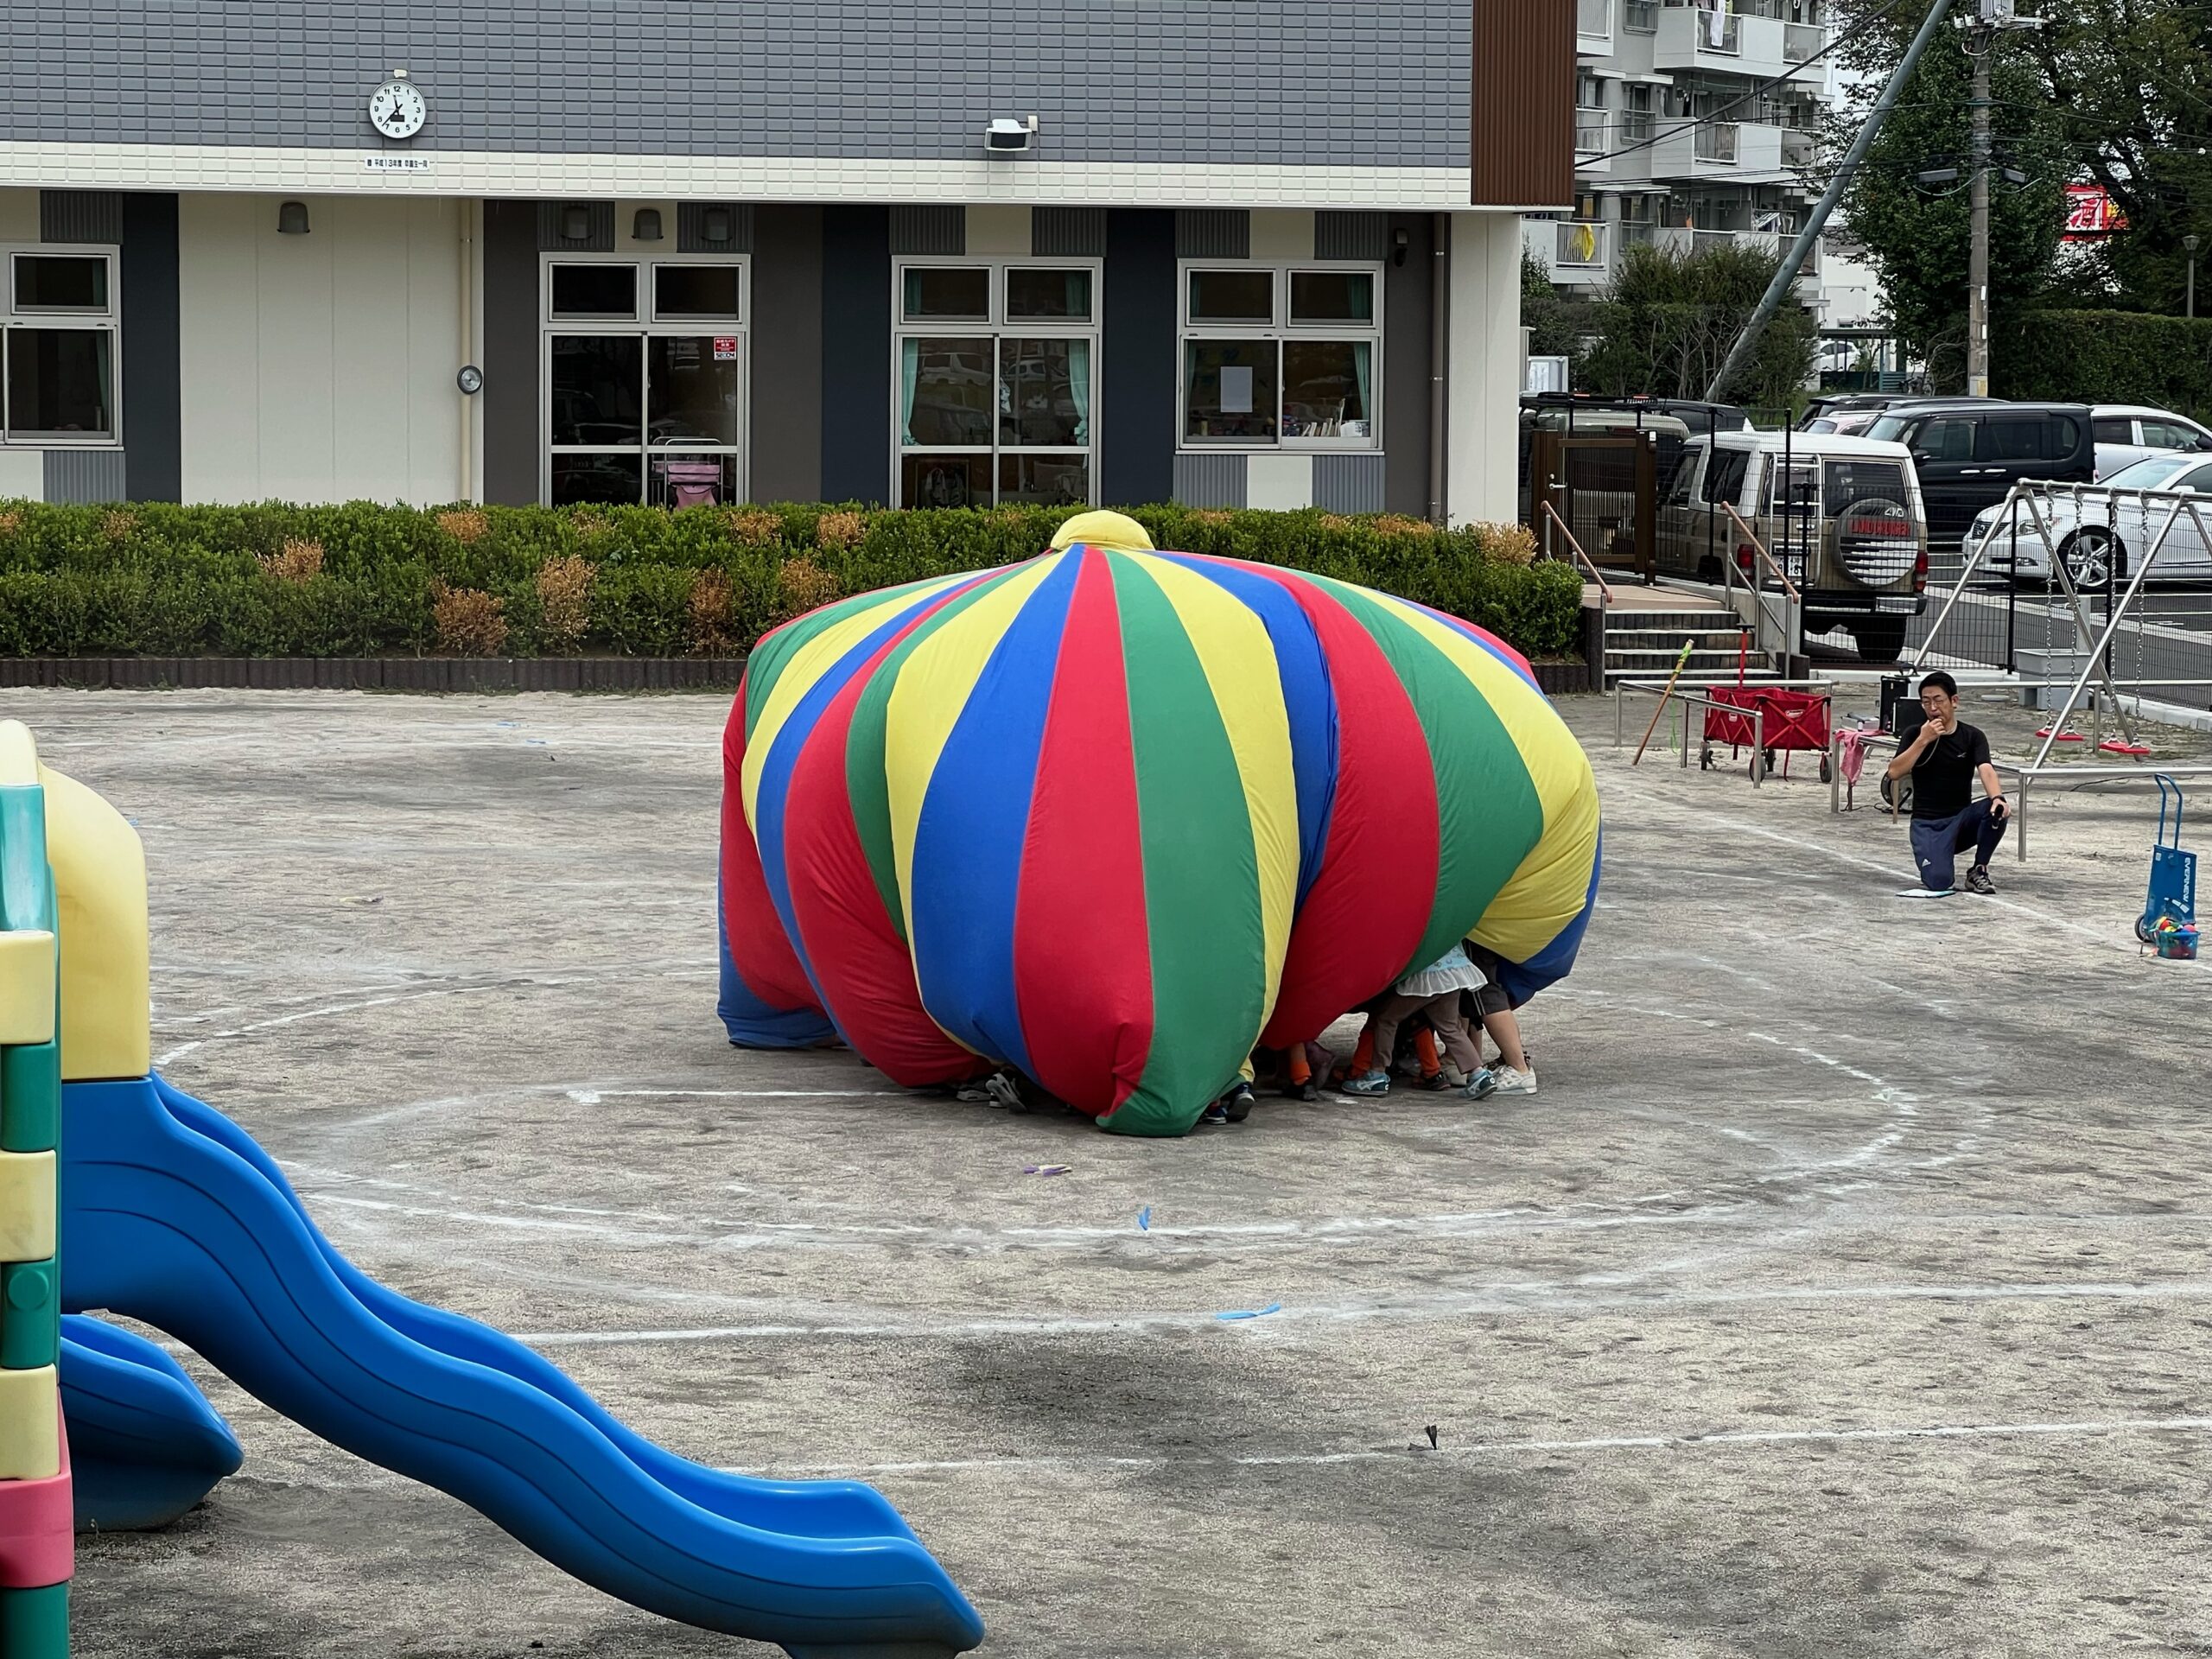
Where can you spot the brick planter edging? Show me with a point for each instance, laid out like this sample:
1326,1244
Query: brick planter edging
450,673
378,673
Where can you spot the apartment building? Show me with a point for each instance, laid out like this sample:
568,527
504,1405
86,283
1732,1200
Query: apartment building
1693,118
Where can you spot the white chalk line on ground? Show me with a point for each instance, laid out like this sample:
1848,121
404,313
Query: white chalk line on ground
1500,1449
1505,1300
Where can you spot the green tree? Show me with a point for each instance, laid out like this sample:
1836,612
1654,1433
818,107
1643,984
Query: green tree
1549,316
2133,81
1918,235
1668,318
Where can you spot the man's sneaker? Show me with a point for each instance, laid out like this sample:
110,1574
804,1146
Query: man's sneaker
1482,1086
1978,882
1510,1082
1237,1106
1374,1082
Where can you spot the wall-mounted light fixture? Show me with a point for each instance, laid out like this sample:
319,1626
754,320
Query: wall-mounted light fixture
1007,137
645,226
1398,243
576,223
715,224
292,219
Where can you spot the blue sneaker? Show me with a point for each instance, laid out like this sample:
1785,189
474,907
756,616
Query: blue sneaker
1376,1082
1482,1086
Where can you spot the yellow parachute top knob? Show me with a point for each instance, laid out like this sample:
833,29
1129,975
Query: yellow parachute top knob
1116,531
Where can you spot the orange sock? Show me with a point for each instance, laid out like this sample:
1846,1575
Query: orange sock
1425,1045
1363,1058
1301,1073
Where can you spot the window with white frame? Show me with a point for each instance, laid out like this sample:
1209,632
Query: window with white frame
646,379
59,316
993,394
1281,356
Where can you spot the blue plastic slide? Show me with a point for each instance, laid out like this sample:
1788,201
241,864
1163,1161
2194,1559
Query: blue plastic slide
144,1444
170,1214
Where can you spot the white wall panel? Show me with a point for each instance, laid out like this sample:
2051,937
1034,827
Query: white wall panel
319,367
1483,384
22,474
1280,483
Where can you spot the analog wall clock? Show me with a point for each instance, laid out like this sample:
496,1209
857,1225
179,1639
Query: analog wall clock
397,109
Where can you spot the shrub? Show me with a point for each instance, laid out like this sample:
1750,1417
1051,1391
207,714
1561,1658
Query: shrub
2105,357
471,623
563,602
297,561
712,619
362,579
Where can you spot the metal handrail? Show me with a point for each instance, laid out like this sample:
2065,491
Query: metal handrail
1605,587
1752,536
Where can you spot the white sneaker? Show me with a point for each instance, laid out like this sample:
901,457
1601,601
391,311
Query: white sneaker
1510,1082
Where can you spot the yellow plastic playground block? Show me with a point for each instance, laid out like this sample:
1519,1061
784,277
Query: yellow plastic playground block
30,1425
26,986
100,879
18,754
26,1206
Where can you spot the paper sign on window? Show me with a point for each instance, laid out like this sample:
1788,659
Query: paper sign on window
725,348
1235,390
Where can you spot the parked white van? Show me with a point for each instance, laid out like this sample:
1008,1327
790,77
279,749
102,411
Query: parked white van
1841,516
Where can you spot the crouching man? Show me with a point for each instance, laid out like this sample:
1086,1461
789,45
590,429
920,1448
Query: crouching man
1945,759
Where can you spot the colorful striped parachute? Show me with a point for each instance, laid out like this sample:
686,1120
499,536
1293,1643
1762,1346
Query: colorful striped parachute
1113,817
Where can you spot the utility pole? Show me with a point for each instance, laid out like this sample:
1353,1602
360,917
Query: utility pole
1981,46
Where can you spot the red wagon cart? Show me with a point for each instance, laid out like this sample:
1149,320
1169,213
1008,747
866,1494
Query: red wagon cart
1768,720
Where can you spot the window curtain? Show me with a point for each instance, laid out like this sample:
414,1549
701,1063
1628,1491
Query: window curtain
910,369
1363,367
1079,386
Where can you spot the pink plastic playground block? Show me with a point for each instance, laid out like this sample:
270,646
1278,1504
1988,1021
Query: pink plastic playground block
37,1541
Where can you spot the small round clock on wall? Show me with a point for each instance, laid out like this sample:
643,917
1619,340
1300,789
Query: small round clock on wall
396,110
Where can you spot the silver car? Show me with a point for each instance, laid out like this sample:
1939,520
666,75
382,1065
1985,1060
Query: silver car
2098,527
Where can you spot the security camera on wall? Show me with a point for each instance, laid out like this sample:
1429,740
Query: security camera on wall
1006,136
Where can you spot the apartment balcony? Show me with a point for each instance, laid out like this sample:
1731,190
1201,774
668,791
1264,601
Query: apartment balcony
1717,150
1595,137
1593,28
1685,239
1575,253
1730,44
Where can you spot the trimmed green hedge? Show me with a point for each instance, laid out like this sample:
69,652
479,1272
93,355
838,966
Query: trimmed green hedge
362,580
2105,357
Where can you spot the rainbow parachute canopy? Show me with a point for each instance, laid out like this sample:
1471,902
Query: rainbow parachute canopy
1113,817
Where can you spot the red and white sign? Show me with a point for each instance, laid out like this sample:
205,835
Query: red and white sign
725,348
2091,213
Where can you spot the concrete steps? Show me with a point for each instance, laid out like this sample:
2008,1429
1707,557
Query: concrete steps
1644,645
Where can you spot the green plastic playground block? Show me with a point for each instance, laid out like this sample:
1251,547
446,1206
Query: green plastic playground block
34,1624
30,1098
30,1315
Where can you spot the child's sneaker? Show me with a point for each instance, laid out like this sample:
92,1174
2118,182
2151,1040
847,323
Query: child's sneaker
1214,1116
1376,1082
1435,1082
1236,1105
1482,1086
1510,1082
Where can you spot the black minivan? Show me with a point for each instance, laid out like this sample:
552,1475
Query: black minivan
1969,454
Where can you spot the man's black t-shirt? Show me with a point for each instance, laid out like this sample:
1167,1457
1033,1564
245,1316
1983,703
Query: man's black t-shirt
1942,781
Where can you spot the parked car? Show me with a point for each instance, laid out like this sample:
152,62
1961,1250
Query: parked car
1842,517
1968,453
2098,530
2126,433
1856,419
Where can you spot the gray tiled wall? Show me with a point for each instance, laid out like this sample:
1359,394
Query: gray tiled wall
1378,82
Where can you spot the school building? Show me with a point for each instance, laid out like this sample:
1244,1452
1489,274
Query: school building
1230,252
